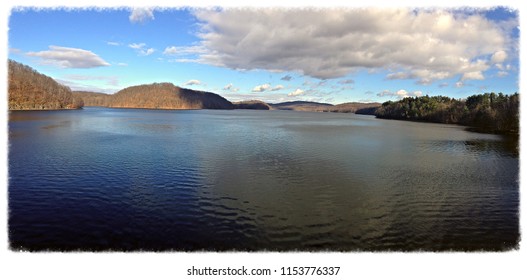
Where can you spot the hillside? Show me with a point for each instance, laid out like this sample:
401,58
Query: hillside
252,104
489,112
357,108
30,90
93,98
302,106
166,96
350,107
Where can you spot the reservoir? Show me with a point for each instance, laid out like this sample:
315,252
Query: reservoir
101,179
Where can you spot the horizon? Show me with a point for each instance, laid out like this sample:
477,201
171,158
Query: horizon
275,56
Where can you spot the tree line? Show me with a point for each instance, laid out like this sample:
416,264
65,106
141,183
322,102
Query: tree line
488,112
30,90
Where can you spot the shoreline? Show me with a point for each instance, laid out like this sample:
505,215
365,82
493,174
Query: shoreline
61,109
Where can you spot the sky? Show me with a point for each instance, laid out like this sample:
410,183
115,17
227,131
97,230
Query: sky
331,55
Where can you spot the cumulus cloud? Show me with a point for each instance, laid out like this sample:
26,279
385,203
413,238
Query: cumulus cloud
141,49
400,94
296,92
423,44
69,57
261,88
230,88
141,15
278,87
476,75
498,57
423,76
192,82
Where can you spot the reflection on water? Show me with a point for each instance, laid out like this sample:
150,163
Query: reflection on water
114,179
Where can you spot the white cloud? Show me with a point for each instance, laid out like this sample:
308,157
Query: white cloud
476,75
459,84
400,94
498,57
398,76
230,88
423,76
502,73
122,64
137,46
141,15
113,43
296,92
422,44
278,87
65,57
141,49
148,51
185,50
261,88
192,82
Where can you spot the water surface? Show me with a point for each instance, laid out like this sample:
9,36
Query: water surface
126,179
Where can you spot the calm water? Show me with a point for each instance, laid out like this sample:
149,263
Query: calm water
125,179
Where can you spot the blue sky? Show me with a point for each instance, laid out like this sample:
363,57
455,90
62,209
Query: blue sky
324,55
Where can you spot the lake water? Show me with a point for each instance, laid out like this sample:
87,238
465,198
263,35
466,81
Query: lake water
127,179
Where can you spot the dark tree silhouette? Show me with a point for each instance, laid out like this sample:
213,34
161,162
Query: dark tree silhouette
489,112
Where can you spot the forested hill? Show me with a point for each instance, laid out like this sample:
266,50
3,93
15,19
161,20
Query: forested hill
489,112
167,96
302,106
30,90
350,107
93,98
252,104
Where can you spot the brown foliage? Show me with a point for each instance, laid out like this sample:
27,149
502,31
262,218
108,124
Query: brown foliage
30,90
156,96
350,107
252,104
93,98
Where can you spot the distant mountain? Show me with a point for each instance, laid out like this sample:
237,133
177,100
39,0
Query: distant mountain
93,98
158,96
252,104
350,107
302,106
357,108
30,90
